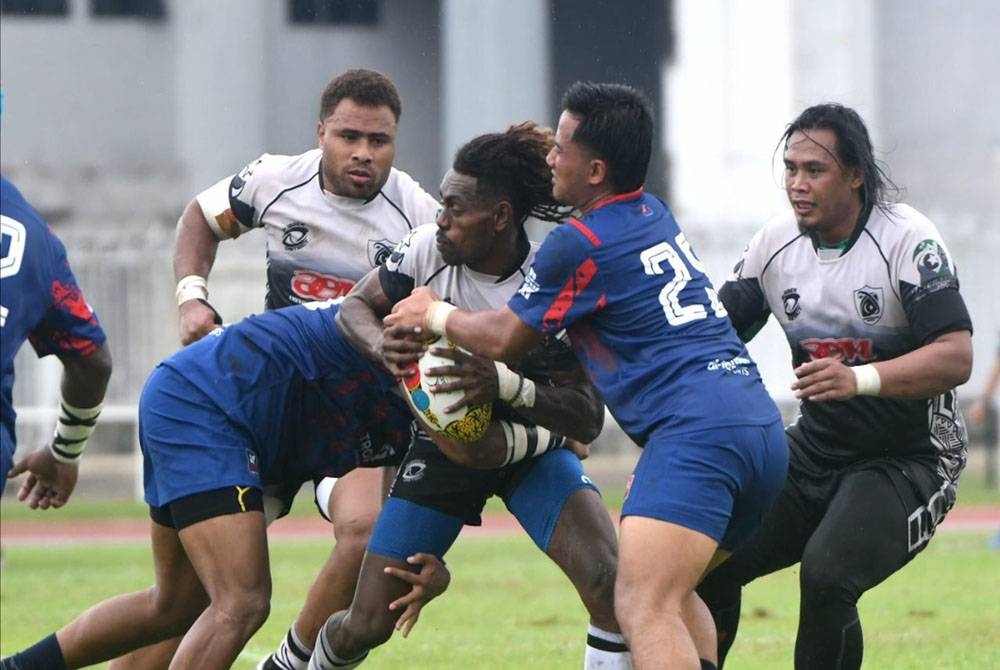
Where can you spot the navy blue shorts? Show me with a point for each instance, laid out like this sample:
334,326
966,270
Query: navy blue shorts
188,445
719,482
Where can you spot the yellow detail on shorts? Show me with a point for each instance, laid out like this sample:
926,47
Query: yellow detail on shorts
240,490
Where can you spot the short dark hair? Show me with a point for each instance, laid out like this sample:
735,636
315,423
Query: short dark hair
616,124
512,165
854,148
365,87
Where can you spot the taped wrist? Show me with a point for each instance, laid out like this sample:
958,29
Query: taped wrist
528,441
191,287
73,429
868,379
513,387
437,316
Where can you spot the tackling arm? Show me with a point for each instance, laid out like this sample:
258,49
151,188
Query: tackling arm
195,246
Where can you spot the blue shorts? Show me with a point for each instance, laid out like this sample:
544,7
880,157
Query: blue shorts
719,482
188,445
432,498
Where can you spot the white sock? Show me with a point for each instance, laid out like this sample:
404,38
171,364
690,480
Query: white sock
293,654
323,657
606,651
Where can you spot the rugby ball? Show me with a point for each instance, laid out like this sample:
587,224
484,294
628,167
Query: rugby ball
466,424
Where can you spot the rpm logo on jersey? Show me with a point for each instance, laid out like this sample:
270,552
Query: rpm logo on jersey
295,236
315,286
868,301
846,349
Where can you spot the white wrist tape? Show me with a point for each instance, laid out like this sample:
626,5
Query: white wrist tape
73,429
437,316
191,287
868,379
514,388
528,441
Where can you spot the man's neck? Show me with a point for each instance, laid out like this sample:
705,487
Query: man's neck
594,200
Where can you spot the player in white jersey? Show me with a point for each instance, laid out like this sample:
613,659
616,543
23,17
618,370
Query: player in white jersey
867,295
477,255
330,215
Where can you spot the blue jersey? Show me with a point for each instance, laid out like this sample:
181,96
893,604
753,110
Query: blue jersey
308,404
40,301
644,320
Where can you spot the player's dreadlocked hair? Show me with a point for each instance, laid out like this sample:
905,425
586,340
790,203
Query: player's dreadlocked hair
854,148
512,165
365,87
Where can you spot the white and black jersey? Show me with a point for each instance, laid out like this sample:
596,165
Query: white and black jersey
318,244
416,261
892,289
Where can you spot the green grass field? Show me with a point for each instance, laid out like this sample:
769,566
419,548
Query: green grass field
508,607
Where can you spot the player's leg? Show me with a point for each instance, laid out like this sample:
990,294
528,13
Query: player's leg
877,521
431,499
352,503
239,589
776,543
564,514
403,529
129,621
678,512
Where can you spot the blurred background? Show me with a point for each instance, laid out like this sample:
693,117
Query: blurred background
118,111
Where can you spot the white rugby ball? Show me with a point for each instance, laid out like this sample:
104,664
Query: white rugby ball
466,424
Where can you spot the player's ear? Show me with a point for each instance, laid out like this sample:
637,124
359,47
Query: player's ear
856,178
503,215
597,171
319,134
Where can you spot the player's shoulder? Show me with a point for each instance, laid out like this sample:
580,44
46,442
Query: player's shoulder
406,193
899,220
282,169
417,251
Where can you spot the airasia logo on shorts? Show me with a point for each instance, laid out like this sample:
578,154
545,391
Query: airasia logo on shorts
848,349
314,286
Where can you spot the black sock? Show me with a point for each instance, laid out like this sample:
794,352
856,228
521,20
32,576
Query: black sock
707,665
43,655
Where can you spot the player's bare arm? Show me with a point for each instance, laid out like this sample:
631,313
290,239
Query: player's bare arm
933,369
496,334
360,316
195,246
50,482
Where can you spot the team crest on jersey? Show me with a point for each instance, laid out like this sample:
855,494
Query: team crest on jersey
530,284
379,252
414,470
931,261
396,256
790,303
295,235
869,301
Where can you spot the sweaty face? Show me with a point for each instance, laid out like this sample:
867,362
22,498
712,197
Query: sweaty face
569,163
466,224
825,197
359,145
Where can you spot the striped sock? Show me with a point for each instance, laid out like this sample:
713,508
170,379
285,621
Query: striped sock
606,651
324,658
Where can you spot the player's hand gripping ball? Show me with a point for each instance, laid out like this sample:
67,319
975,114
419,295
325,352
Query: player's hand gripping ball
467,423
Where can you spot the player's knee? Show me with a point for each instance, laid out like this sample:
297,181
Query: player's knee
177,607
246,609
352,531
824,581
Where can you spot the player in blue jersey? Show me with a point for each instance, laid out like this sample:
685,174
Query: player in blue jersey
42,303
868,297
258,406
647,325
